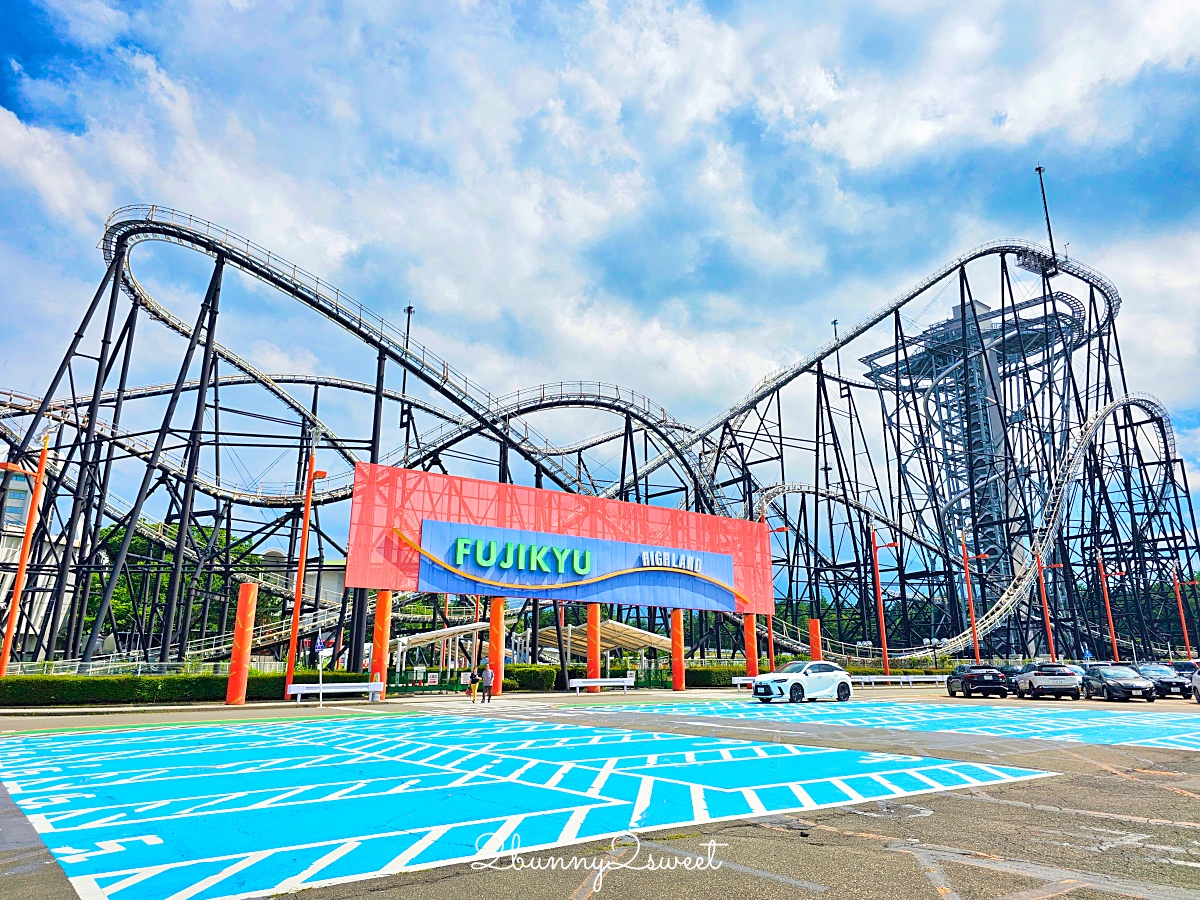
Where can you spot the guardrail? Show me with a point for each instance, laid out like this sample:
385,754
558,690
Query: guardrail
901,680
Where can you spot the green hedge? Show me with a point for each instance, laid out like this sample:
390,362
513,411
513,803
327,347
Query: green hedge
134,690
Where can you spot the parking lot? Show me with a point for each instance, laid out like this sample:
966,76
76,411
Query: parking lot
902,793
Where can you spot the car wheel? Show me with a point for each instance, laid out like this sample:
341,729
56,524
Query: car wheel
1075,695
966,692
1087,691
1035,694
843,692
1196,693
1003,695
953,693
1151,699
764,699
796,694
1108,695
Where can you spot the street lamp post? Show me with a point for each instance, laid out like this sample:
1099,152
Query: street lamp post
1112,631
875,548
1046,605
1179,600
31,515
313,475
970,600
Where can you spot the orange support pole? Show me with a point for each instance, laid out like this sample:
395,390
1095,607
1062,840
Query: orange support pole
23,565
381,648
593,644
678,678
496,646
1112,631
814,638
1046,606
243,635
771,641
298,598
875,548
1182,619
750,637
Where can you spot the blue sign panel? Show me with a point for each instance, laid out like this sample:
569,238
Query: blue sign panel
505,562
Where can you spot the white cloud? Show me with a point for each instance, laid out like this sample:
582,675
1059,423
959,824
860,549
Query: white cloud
46,161
273,360
91,23
1159,323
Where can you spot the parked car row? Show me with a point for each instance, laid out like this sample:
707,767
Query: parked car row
820,680
1110,681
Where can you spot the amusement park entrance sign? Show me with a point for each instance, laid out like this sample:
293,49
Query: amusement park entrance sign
423,531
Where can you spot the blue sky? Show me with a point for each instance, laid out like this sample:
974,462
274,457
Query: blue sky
673,196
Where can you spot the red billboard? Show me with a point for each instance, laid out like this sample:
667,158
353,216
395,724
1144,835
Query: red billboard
399,516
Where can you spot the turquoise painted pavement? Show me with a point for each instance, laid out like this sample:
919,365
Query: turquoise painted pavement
1049,720
241,810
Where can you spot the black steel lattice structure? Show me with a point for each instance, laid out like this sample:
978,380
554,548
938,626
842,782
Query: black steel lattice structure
987,407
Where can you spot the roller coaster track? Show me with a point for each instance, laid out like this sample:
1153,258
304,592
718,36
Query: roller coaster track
697,456
1053,512
133,224
585,395
1030,255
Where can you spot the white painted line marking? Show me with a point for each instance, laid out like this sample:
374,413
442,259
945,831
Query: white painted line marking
558,776
205,883
332,856
415,850
699,806
802,795
642,803
598,783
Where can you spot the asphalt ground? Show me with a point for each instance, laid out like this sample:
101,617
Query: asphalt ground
1116,821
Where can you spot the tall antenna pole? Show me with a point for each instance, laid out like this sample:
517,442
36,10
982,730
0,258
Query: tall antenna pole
1046,210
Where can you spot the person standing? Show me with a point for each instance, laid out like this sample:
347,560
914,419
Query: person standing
488,677
474,684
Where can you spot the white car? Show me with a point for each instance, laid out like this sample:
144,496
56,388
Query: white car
1196,685
804,681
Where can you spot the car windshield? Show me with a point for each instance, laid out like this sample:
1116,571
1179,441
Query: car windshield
1053,670
1119,672
1160,671
793,667
982,669
1010,670
1078,670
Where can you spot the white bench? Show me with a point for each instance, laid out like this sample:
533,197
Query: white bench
739,680
623,683
373,688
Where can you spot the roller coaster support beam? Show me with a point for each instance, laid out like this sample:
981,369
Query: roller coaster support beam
750,642
1046,605
383,640
678,677
187,501
875,548
966,561
298,598
118,563
1112,631
1187,642
35,495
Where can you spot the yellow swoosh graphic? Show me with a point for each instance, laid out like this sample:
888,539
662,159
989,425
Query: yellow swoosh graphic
570,584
